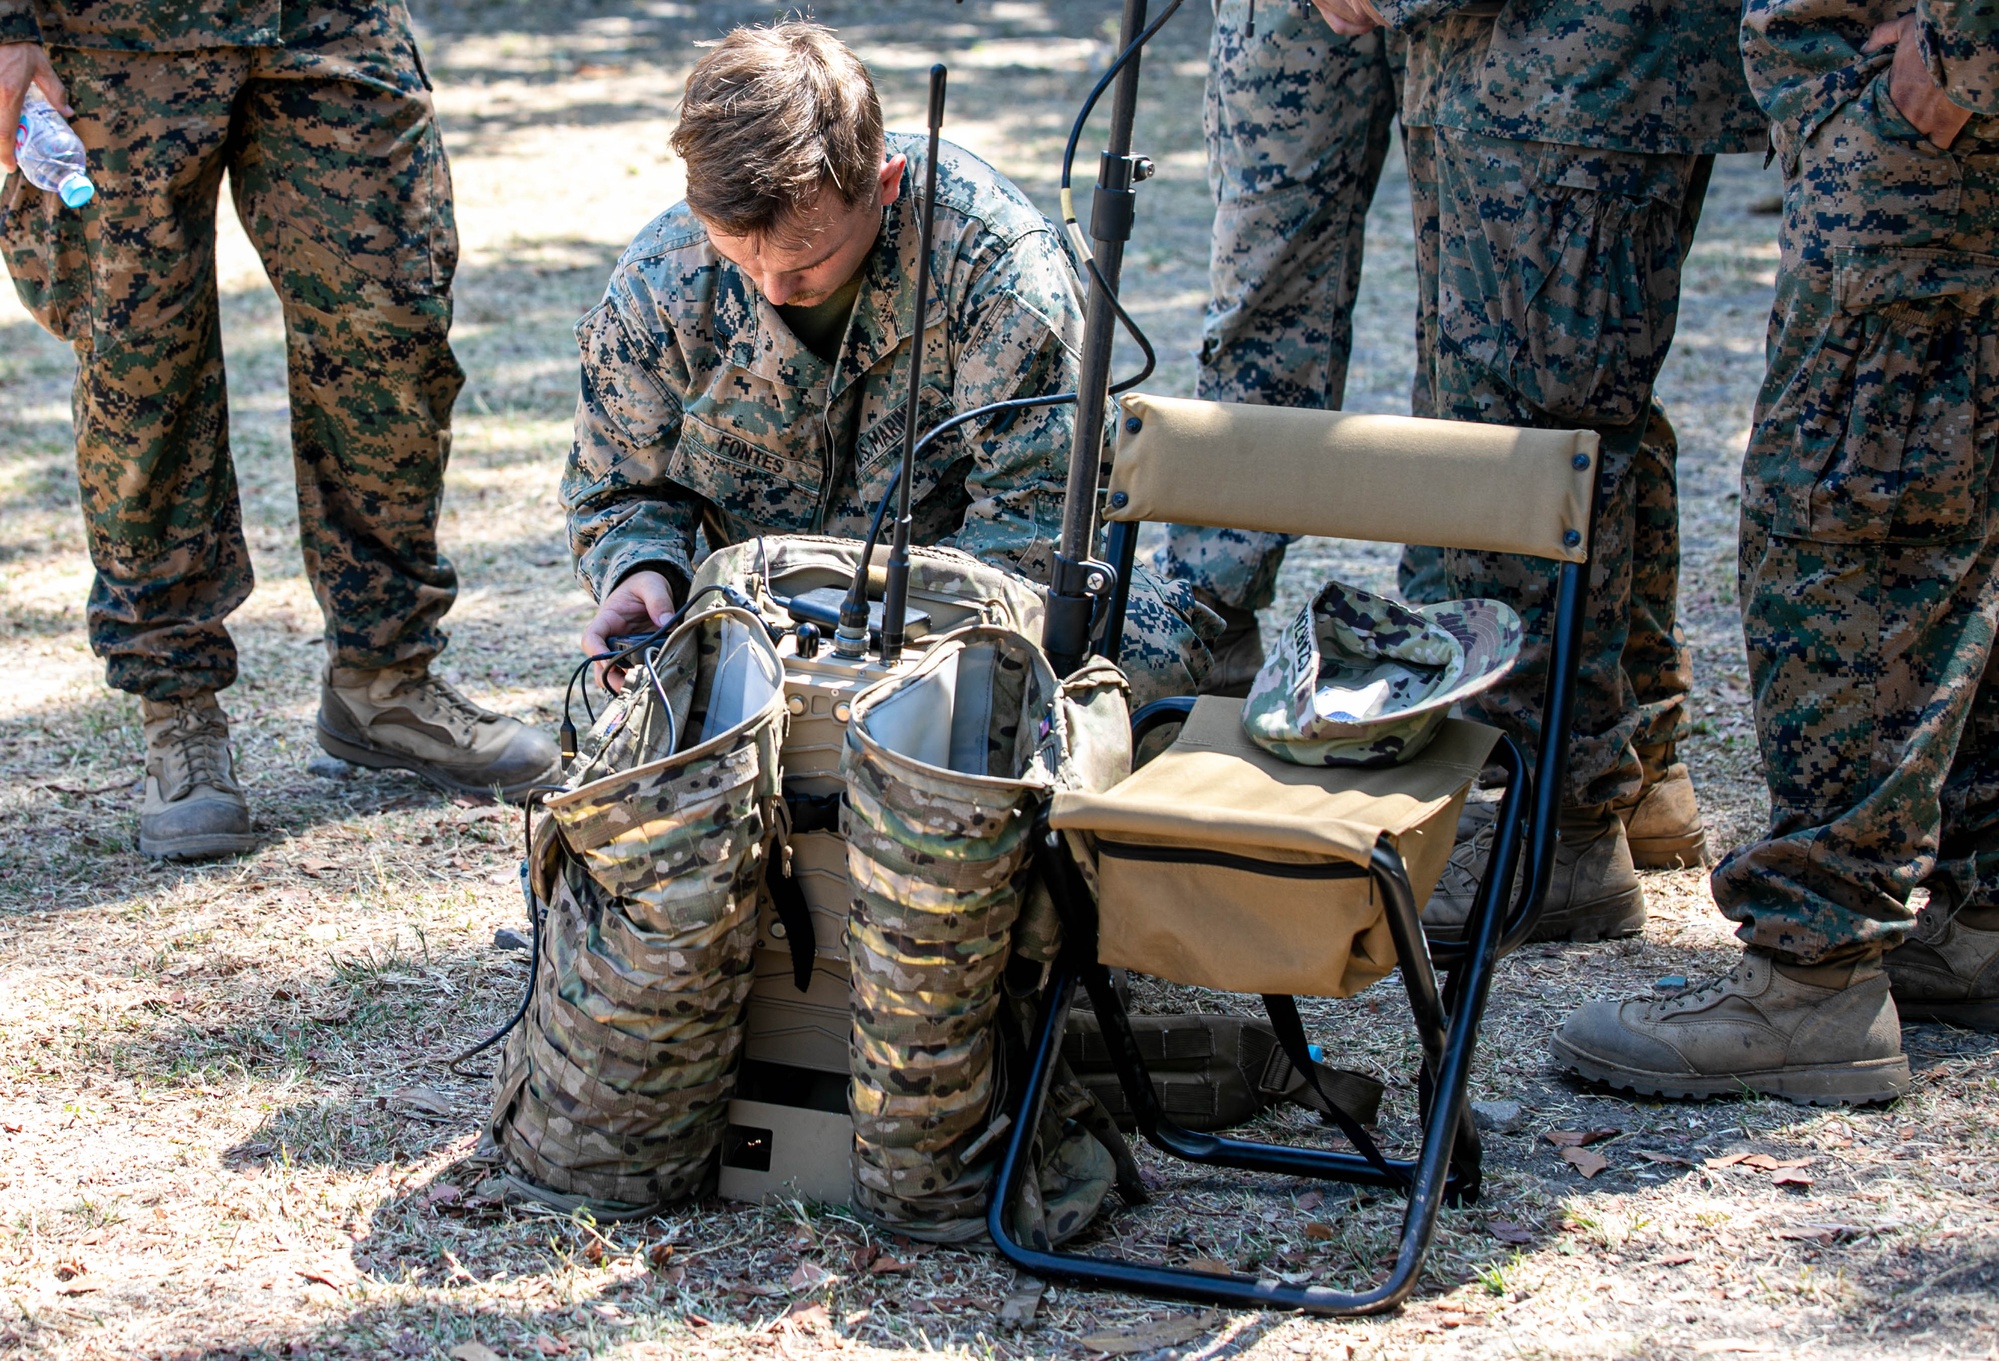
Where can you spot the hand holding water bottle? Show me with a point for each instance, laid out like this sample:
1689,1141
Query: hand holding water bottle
33,103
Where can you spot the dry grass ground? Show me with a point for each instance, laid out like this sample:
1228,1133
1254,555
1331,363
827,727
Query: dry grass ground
225,1127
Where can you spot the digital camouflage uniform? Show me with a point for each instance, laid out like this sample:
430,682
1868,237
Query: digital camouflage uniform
1297,121
702,414
1868,583
320,113
1569,145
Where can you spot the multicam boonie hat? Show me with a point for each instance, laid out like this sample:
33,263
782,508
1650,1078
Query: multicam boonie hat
1358,680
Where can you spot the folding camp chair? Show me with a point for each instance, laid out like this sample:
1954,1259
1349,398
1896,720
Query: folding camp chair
1215,811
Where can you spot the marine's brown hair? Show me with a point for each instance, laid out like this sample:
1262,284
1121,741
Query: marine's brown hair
773,115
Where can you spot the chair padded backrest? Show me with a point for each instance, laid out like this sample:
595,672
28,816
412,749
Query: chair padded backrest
1392,479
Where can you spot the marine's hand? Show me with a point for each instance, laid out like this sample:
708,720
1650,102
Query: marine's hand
1916,94
22,65
1349,18
638,604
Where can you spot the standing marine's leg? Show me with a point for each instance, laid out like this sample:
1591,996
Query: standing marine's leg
340,180
1297,122
1662,822
129,281
1558,291
1870,589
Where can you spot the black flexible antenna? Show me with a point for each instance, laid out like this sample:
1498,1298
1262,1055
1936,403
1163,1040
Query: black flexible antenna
895,597
850,636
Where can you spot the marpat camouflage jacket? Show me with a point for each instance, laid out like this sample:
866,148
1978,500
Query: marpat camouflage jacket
154,25
700,410
1804,59
1622,75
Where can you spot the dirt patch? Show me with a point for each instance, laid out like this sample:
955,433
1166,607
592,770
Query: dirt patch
226,1128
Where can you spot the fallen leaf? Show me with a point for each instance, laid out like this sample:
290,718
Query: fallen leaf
1716,1346
1790,1176
426,1101
333,1273
884,1264
1148,1337
1319,1233
659,1253
550,1346
1586,1161
1725,1160
1209,1266
1018,1309
808,1276
1508,1232
1653,1155
1763,1162
1309,1202
443,1193
674,1275
1677,1259
1578,1138
808,1318
473,1351
1818,1233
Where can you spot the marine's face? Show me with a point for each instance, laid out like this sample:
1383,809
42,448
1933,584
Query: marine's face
807,257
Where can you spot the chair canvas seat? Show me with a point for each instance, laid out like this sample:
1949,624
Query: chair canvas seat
1223,866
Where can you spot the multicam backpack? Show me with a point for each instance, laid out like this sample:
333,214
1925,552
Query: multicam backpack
613,1091
947,767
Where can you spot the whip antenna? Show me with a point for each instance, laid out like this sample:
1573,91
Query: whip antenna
895,599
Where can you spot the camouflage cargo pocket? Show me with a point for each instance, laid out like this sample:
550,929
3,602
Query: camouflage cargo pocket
44,247
1893,409
1560,269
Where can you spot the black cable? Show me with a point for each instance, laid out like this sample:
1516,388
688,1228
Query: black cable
1096,91
534,928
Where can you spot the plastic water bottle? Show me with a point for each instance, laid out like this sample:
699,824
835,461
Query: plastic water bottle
50,154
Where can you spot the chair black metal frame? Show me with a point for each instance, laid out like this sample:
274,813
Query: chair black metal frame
1447,1167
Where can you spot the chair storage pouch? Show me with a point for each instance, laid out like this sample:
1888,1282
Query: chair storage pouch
612,1093
1222,866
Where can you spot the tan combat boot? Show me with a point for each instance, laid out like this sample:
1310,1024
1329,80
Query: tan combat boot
1822,1035
404,718
1948,969
1593,891
194,809
1662,823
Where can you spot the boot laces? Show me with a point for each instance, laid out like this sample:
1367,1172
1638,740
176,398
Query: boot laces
1707,988
449,703
197,750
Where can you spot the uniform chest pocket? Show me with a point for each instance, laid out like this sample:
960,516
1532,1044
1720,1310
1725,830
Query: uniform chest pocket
772,483
1893,412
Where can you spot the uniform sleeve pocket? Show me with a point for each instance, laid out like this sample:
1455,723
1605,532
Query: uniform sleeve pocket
1891,411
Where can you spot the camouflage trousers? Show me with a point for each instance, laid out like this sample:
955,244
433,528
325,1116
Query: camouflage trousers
1297,121
1556,288
1869,562
339,179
